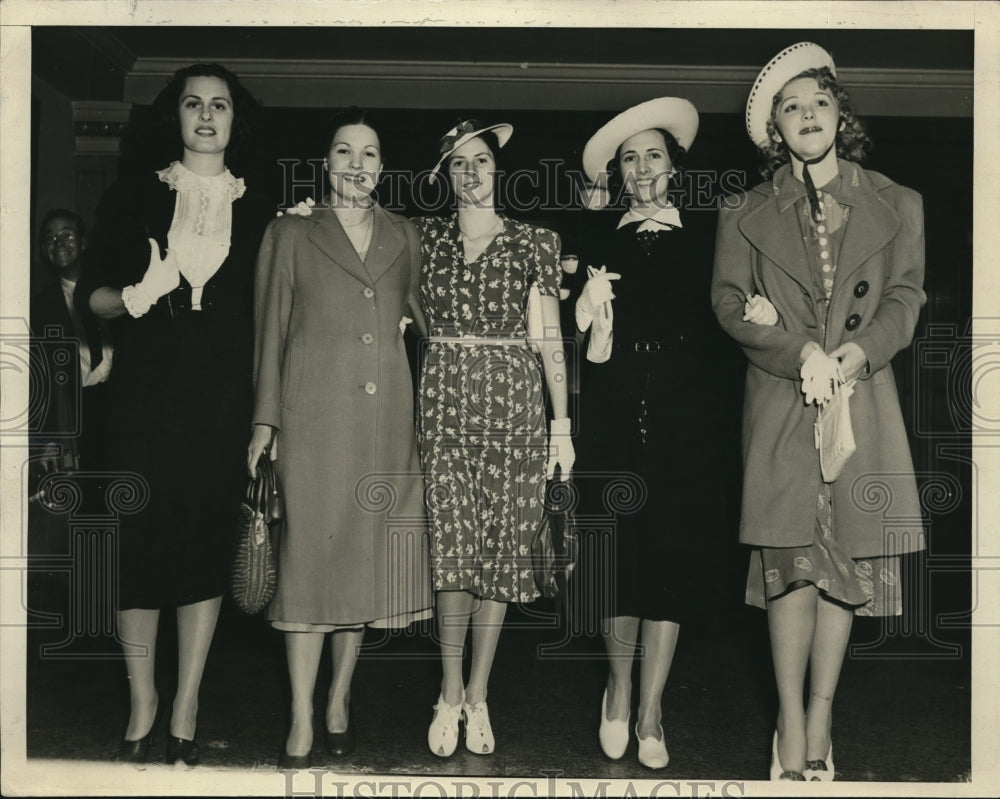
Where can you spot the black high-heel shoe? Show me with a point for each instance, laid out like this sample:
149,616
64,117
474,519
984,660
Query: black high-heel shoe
339,744
138,751
287,762
182,749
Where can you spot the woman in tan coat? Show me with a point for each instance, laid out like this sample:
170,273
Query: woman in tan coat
334,400
818,276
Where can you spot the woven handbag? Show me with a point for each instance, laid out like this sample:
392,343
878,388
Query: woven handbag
254,578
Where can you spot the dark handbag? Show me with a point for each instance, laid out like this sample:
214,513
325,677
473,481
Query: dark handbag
254,578
550,557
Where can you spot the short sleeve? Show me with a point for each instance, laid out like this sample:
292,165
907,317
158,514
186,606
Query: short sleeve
548,275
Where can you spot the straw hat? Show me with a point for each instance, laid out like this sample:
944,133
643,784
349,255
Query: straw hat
673,114
779,70
466,131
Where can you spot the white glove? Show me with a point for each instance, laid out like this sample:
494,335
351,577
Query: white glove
301,208
403,323
596,292
162,276
533,320
820,375
759,310
851,360
601,335
561,450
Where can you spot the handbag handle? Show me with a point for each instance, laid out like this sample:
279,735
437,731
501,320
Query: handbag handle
263,493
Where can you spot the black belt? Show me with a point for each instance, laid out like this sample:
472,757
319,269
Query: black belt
649,347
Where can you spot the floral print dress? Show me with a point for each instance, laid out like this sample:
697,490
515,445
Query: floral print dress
483,437
869,585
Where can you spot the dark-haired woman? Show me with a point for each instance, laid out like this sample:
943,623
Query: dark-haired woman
818,276
647,426
172,255
334,399
485,446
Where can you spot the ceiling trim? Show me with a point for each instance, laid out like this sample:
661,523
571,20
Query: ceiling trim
561,87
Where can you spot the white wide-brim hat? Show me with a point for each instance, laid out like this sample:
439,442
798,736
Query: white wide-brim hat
673,114
467,131
778,71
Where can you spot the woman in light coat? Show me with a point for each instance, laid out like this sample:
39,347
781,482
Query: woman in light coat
334,391
818,276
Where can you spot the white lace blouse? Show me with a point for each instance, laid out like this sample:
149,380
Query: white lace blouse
200,233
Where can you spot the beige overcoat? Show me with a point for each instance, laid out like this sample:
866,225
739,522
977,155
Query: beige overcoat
332,376
877,296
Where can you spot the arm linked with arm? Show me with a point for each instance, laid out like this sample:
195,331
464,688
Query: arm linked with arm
772,348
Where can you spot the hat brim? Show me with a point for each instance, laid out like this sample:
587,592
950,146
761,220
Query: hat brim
503,132
673,114
776,73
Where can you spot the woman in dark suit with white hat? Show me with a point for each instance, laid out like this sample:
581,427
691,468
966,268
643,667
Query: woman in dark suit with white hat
818,276
647,436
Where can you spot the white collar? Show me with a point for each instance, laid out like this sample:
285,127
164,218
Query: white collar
665,217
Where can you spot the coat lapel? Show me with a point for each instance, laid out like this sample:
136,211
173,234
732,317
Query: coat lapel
773,229
329,236
872,225
387,243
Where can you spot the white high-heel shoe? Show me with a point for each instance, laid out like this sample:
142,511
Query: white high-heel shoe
820,770
478,731
442,735
777,772
613,734
653,752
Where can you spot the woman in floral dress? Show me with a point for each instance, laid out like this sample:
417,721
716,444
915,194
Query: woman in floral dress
482,417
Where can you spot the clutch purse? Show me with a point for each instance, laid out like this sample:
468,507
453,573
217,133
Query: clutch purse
254,577
834,434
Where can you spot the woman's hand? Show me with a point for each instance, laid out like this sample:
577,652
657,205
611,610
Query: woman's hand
302,208
852,360
596,292
162,276
759,310
561,451
820,374
263,435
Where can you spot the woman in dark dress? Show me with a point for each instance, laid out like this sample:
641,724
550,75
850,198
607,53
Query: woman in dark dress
646,435
173,255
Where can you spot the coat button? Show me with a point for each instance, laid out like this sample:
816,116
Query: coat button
861,289
368,293
370,388
368,338
852,321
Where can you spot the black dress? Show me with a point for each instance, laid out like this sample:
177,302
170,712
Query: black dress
650,421
181,398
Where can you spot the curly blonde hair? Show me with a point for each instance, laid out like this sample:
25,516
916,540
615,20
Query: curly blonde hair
853,143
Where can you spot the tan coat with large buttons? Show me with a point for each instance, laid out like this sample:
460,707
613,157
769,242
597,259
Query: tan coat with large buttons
877,296
331,374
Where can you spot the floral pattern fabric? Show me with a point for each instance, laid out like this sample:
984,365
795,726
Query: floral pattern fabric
869,585
482,434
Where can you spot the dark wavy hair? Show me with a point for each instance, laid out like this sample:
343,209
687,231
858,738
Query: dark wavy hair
853,143
352,116
616,182
246,109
